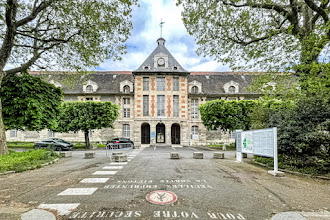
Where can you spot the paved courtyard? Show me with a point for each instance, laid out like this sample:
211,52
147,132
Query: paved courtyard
187,188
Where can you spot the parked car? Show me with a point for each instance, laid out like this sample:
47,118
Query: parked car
121,141
53,143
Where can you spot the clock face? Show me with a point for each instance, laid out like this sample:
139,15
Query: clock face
161,61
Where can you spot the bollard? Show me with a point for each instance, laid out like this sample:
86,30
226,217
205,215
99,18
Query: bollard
120,158
175,155
218,155
66,154
89,155
198,155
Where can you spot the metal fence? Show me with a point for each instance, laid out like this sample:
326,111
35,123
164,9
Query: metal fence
124,148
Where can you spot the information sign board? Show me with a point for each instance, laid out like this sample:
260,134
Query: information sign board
263,142
247,142
238,140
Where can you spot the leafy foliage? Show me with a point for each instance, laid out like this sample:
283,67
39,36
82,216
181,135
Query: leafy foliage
86,116
304,124
70,34
28,103
266,35
226,115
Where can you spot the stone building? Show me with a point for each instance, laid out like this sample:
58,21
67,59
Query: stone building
158,102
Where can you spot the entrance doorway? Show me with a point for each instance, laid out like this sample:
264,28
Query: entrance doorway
160,133
145,133
175,134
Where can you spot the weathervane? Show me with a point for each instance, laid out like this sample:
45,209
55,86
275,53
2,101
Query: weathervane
161,27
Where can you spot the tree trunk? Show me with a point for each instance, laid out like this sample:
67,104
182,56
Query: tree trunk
87,140
3,141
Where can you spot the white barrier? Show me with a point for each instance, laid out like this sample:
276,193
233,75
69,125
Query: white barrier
118,148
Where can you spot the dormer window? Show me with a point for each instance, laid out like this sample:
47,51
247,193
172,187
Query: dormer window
175,68
146,68
194,89
232,90
231,87
89,88
126,89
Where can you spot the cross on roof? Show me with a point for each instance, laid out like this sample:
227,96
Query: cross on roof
161,27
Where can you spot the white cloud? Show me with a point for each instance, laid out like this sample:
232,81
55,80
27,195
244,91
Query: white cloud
146,20
210,66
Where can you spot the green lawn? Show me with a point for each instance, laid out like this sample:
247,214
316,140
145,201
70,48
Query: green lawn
229,147
21,161
17,144
12,144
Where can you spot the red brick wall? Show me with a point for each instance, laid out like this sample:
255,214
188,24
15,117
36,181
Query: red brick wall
153,105
153,84
169,106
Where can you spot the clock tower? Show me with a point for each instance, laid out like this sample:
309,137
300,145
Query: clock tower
161,97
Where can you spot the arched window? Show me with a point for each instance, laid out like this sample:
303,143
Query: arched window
89,88
194,129
232,89
126,89
194,89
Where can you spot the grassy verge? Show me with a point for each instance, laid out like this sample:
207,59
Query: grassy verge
20,144
230,147
297,165
29,145
21,161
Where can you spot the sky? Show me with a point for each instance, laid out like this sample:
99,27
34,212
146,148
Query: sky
146,31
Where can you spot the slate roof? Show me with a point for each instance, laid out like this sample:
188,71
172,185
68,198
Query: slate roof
172,62
109,81
212,84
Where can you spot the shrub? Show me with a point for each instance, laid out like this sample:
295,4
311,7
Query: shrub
21,161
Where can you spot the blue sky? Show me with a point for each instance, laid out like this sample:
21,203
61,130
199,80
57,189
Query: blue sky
146,31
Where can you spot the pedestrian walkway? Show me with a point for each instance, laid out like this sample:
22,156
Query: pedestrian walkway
65,209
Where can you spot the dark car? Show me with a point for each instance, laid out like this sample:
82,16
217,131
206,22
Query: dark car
54,144
121,141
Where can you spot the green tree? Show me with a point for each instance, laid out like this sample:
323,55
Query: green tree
273,35
227,115
29,103
86,116
66,34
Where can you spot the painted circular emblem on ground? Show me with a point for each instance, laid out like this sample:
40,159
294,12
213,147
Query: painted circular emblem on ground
161,197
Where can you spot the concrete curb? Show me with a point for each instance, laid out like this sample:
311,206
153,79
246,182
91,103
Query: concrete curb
301,215
30,168
293,172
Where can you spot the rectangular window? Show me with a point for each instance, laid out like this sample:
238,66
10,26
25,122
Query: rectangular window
232,135
160,105
126,131
13,133
175,106
194,108
90,133
176,84
160,83
145,83
194,129
127,107
145,105
51,133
